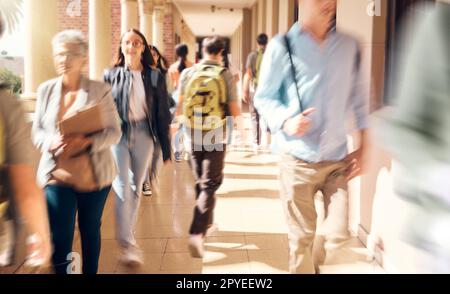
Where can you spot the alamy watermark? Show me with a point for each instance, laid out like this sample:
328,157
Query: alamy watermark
74,266
205,134
74,8
374,8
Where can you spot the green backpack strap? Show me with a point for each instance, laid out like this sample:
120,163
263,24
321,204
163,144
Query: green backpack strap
259,58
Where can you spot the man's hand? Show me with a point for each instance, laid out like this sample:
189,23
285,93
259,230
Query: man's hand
355,164
298,125
357,159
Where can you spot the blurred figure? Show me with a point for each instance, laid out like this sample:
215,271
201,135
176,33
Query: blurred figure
56,99
145,117
231,123
18,189
18,185
180,142
418,136
306,100
226,62
207,93
160,66
251,80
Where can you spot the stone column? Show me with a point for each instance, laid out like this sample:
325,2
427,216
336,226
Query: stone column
272,17
285,15
146,19
158,26
129,15
41,21
261,17
99,37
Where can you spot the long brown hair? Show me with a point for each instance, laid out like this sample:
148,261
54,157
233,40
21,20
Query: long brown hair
161,63
146,58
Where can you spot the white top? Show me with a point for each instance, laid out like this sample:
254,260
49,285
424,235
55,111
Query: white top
138,106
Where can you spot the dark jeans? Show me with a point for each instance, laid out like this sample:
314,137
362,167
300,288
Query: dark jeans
208,173
63,204
256,126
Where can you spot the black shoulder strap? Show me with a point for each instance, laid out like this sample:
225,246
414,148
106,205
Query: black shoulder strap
288,47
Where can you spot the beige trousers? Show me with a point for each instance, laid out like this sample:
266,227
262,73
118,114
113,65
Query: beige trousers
300,181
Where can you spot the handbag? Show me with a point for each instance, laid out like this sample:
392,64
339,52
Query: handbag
76,170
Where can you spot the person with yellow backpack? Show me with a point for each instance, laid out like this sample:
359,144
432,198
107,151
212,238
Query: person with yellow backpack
207,95
250,85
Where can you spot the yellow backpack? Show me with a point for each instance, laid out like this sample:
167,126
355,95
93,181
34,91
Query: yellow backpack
205,98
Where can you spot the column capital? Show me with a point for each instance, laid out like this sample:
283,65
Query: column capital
125,1
159,2
145,6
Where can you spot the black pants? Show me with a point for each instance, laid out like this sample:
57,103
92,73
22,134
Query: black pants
208,172
256,126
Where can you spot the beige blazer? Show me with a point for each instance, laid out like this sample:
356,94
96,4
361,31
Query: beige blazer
45,127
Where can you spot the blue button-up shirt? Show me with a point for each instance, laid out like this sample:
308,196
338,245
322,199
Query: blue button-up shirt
328,78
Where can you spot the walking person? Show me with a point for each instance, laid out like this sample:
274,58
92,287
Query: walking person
20,197
207,95
56,99
175,70
145,117
310,84
160,66
250,85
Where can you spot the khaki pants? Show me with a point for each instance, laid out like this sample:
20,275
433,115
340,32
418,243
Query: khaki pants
300,181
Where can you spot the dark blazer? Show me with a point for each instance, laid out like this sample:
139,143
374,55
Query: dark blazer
157,102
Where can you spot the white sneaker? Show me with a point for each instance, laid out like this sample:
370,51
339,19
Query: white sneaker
196,245
132,256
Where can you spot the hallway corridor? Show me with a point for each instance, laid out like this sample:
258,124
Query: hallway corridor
251,236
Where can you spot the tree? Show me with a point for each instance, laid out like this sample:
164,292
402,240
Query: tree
10,13
11,81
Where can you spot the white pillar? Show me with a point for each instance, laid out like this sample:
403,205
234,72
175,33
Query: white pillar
146,19
129,9
272,17
158,27
286,15
40,26
99,37
261,17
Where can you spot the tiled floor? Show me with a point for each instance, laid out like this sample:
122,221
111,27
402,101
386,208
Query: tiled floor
251,235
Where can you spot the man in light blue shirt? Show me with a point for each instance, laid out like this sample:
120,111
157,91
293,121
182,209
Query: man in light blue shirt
309,128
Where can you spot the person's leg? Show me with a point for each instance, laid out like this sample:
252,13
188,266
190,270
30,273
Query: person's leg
196,166
178,144
141,151
334,229
90,211
123,192
155,168
256,130
208,181
62,206
299,184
